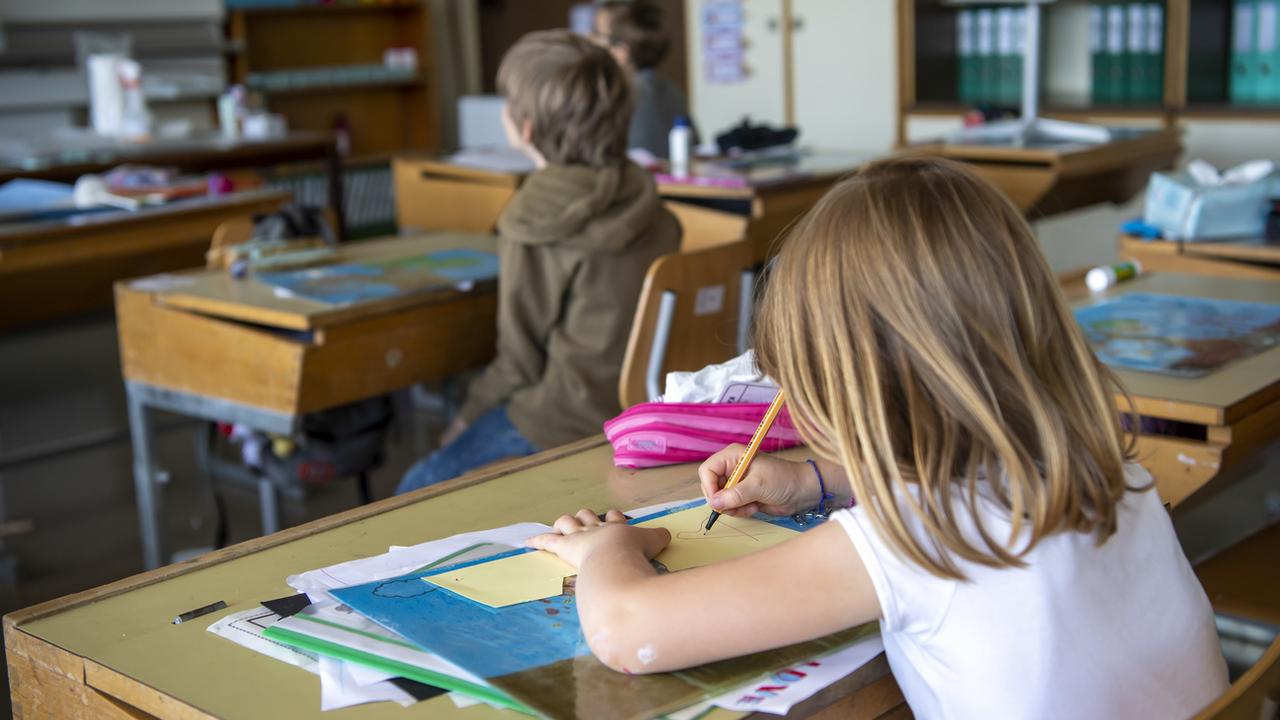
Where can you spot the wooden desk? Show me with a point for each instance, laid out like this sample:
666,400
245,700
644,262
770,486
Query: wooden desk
195,154
1044,181
112,652
53,268
218,348
433,194
1253,259
1238,405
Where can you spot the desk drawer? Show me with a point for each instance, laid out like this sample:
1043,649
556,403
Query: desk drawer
289,373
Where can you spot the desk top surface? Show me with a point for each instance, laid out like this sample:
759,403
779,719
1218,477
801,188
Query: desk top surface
79,153
807,166
126,626
217,293
1228,393
1126,145
53,229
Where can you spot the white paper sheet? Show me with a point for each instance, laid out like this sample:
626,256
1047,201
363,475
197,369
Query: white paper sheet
339,690
318,583
340,683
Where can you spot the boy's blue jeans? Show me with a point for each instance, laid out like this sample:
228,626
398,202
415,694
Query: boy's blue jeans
490,438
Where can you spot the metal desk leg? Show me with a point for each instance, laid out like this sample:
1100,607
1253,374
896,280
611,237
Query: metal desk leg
270,508
144,481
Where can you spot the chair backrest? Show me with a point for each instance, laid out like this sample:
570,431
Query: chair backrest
1255,695
703,227
694,310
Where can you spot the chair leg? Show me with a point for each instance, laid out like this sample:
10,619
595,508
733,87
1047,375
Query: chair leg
362,485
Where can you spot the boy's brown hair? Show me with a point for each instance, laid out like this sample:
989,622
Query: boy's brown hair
924,343
574,94
638,25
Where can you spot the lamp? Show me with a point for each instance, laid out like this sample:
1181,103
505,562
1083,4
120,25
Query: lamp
1030,128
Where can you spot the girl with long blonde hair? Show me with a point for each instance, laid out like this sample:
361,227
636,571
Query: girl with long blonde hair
1019,564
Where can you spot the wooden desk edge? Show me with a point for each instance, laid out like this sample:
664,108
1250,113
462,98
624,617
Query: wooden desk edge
15,619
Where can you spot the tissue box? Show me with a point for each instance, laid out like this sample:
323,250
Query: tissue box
1185,210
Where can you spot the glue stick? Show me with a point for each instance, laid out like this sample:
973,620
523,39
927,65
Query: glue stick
1105,276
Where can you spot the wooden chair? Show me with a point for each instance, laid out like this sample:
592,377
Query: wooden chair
704,227
694,310
239,230
1255,695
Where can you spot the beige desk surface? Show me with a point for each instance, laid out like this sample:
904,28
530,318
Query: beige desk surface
28,233
810,167
1222,396
126,627
217,293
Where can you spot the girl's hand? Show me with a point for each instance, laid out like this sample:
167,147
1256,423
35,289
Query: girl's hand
772,485
578,536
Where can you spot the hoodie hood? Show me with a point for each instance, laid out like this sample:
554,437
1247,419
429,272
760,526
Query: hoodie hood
583,208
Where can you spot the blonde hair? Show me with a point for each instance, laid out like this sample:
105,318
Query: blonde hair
922,340
574,94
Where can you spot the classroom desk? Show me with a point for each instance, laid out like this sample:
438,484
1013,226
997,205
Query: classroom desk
207,345
1253,258
1238,405
432,193
200,153
111,652
53,268
1044,181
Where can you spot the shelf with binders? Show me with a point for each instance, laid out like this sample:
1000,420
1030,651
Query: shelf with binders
1097,58
1233,62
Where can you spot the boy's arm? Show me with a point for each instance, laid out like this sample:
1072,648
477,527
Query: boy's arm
531,289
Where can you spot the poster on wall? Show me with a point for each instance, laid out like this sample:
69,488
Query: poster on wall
722,41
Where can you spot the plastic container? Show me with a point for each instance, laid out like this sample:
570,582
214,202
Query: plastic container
680,146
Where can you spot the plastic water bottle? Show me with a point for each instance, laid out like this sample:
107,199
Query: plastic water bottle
679,146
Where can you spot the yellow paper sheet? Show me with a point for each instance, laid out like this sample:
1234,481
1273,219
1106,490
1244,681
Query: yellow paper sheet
510,580
729,538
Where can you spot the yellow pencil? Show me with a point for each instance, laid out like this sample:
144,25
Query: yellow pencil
753,447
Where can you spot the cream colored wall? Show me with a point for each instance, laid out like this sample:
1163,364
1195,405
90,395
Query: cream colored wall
846,94
716,107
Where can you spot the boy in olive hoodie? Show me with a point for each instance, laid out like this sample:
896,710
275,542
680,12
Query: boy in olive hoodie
575,244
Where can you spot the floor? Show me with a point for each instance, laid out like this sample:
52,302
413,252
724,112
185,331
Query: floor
66,485
66,491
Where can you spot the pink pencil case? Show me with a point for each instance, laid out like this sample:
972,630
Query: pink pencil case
652,434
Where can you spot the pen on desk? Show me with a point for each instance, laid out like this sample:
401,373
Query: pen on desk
749,454
200,611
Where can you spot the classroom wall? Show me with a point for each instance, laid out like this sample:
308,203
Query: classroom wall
840,48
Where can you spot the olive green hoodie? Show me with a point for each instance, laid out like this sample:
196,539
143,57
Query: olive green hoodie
575,244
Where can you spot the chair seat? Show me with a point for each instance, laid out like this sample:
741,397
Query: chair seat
1244,579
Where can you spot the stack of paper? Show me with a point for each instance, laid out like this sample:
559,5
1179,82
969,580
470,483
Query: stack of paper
481,617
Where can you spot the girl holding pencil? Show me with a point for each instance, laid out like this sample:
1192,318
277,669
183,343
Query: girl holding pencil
1019,563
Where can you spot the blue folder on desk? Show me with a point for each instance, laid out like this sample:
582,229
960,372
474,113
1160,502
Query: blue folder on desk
536,653
347,283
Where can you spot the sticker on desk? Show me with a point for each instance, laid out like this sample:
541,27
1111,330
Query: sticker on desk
709,300
162,282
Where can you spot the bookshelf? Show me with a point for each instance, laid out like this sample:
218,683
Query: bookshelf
1189,77
321,67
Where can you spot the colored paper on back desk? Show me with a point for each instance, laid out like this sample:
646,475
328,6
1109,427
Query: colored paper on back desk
536,653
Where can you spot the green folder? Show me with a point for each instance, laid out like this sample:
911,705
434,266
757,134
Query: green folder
988,67
967,55
1115,88
1244,36
1097,54
1135,53
1268,49
1155,94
